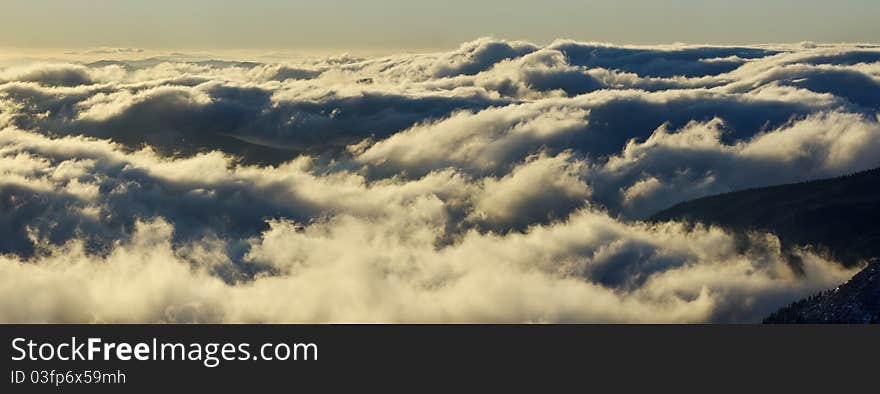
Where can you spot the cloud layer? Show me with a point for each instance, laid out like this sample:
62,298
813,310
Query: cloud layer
499,182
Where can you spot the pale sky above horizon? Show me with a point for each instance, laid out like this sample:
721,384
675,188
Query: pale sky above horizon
415,24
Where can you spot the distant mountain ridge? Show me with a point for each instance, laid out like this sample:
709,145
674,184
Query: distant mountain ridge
838,215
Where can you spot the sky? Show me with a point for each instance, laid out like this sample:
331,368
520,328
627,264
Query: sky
399,24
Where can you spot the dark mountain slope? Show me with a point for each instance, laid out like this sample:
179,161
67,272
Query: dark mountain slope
840,215
856,301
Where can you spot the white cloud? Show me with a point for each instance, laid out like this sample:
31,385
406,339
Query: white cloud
499,182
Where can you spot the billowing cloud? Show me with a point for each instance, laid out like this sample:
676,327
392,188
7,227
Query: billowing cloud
498,182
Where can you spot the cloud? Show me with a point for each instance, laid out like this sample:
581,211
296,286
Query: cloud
221,242
110,50
694,161
476,56
274,112
537,191
499,182
684,61
591,268
49,75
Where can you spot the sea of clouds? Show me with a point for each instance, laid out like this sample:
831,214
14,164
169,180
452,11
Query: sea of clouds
499,182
